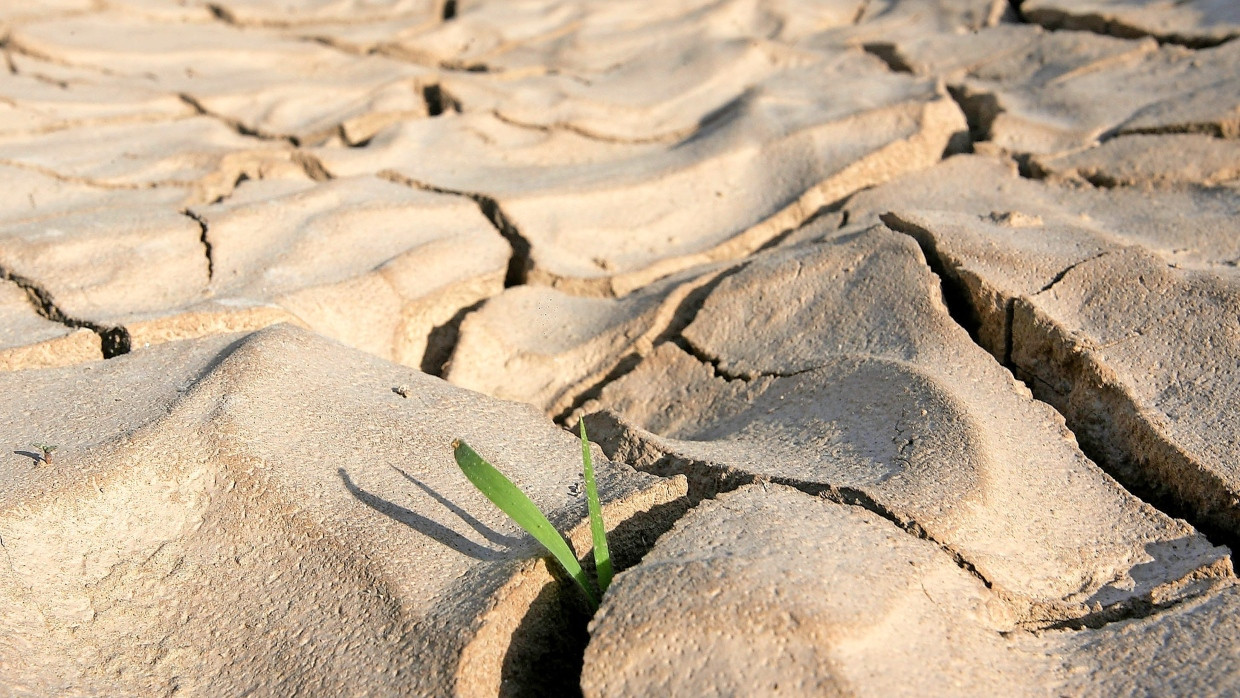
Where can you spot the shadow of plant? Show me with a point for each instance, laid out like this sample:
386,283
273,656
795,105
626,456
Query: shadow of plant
435,531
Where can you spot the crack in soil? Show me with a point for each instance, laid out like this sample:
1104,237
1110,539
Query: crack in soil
442,340
312,166
669,137
1053,19
439,101
206,241
979,108
88,181
114,338
234,124
666,327
1147,485
708,480
1225,129
520,263
889,54
1059,277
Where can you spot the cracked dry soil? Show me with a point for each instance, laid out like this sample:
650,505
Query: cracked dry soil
908,333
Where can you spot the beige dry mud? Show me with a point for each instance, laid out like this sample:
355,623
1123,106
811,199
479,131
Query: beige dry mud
265,513
748,613
1190,23
908,332
901,413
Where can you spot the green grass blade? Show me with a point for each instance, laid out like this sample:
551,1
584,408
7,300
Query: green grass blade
602,556
513,502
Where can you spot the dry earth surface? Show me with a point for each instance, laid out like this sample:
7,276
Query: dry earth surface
908,333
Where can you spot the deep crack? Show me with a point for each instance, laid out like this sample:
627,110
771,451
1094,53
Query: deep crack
312,166
1145,480
1224,129
206,241
979,108
114,340
520,263
442,340
439,101
708,480
955,295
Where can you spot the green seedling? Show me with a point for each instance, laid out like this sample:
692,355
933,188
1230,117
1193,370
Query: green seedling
513,502
47,452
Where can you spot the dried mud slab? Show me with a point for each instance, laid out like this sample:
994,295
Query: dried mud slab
603,218
542,346
835,368
597,74
520,37
31,196
1187,650
1161,160
21,13
264,514
623,104
258,12
109,266
1136,385
372,264
885,28
267,85
767,590
31,103
592,41
1043,99
1189,225
1119,377
1195,23
1102,302
199,156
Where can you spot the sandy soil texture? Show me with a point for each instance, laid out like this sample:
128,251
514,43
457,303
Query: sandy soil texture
907,334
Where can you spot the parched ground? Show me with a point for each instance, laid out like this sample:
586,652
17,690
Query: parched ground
908,333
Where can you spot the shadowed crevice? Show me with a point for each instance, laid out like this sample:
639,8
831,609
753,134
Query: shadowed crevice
955,295
439,101
889,54
1110,439
979,108
1053,19
204,239
547,651
623,367
114,339
442,340
520,263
